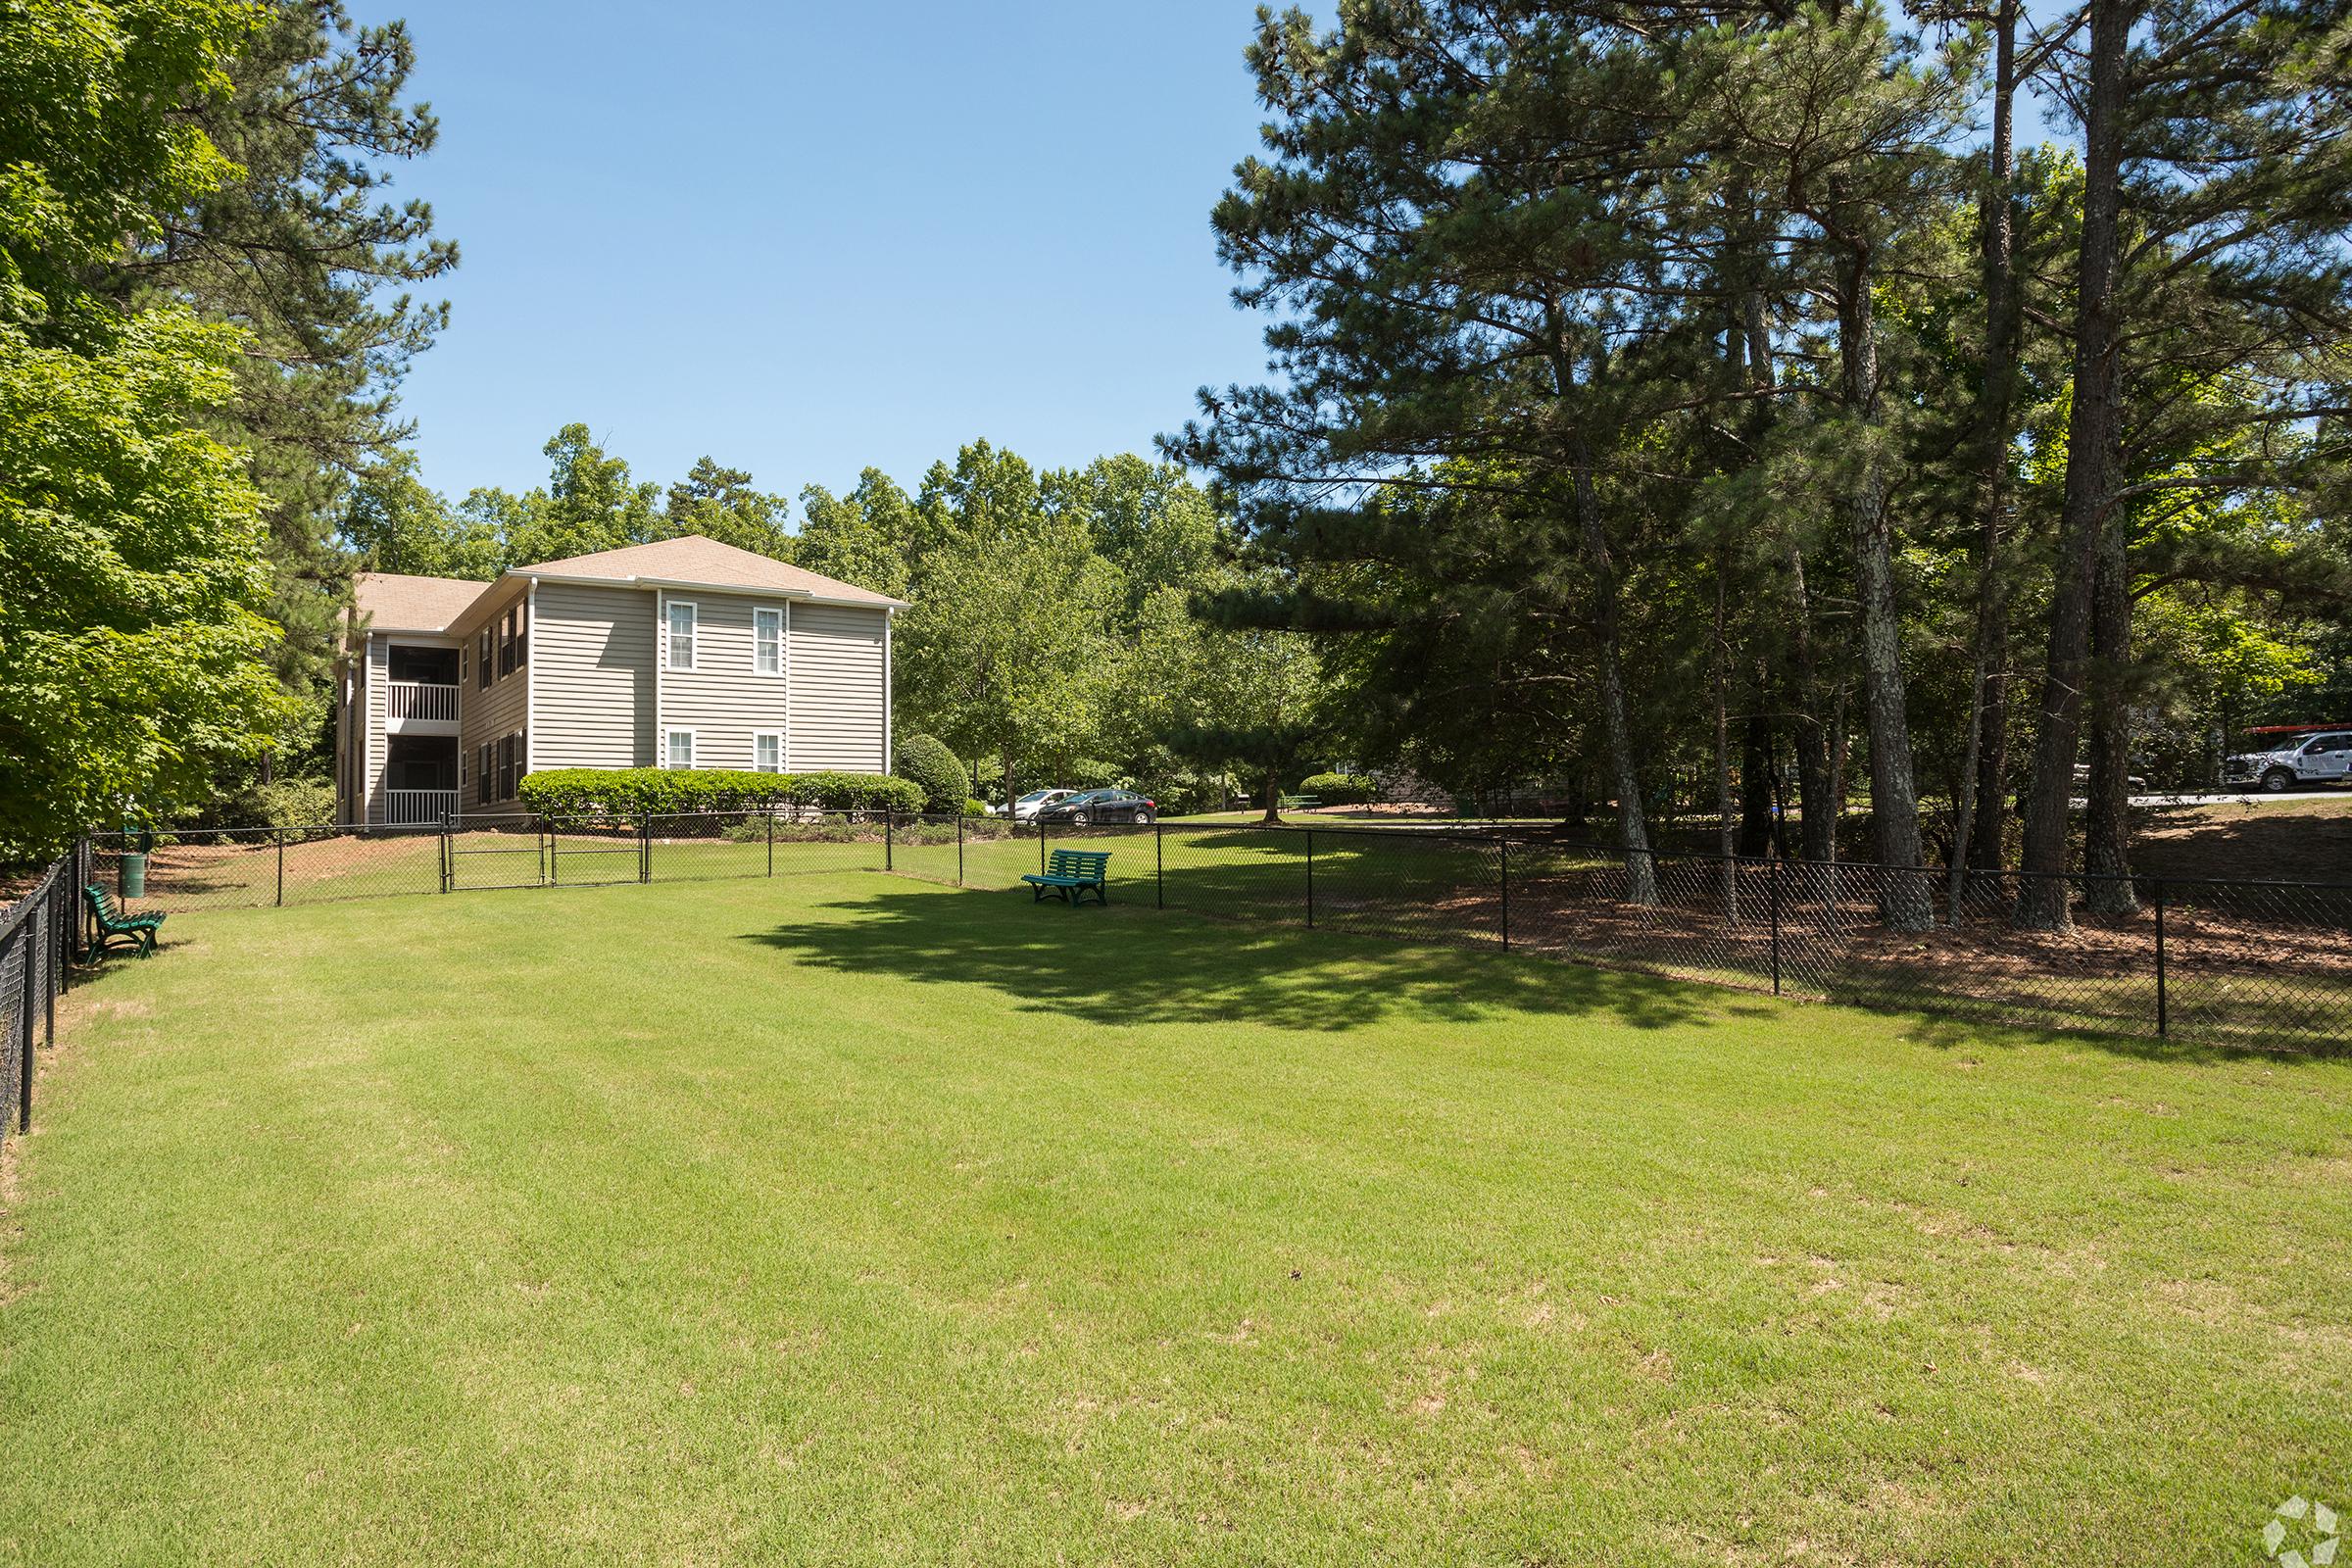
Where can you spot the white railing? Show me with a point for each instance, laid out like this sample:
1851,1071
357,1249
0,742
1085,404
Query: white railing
418,807
412,699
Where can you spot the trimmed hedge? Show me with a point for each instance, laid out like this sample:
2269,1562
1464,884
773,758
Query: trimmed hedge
926,761
628,791
1339,789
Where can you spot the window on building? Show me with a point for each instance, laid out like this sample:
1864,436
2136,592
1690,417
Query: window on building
767,751
506,645
506,767
484,780
680,750
767,642
523,634
481,662
680,654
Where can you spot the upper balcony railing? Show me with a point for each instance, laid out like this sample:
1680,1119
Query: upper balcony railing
410,699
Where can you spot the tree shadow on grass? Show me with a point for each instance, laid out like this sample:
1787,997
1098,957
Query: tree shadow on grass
1129,966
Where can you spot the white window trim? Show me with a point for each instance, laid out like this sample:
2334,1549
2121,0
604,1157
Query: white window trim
760,735
778,612
692,752
669,610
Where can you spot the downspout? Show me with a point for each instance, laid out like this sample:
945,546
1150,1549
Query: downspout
660,663
889,617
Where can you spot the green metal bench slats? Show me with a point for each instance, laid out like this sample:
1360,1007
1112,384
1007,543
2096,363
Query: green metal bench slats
1070,875
137,930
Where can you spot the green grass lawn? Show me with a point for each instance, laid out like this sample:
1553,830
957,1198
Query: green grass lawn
842,1218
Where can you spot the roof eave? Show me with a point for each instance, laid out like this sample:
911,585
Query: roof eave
749,590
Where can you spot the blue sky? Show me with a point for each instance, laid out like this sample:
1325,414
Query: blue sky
808,237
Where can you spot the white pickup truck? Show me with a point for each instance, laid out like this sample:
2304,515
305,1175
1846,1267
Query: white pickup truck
2324,759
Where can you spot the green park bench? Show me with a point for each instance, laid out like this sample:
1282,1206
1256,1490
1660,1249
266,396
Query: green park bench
1300,803
138,930
1069,873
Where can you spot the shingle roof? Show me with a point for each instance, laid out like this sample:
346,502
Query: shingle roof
694,558
392,601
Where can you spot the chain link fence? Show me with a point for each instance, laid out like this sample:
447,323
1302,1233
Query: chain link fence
2261,965
40,934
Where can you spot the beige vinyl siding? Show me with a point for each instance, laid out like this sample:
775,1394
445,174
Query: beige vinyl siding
592,669
839,689
722,700
371,741
487,717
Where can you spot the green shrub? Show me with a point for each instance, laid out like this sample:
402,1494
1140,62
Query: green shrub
926,762
974,807
630,791
306,803
1337,789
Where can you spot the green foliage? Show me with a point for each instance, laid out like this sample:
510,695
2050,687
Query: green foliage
926,761
720,504
131,571
866,537
95,143
1337,789
132,580
306,249
628,791
1006,650
295,803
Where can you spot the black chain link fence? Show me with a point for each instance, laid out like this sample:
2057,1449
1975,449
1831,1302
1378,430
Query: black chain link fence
2262,965
40,934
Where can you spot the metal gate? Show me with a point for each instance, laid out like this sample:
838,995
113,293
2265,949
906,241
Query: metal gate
493,852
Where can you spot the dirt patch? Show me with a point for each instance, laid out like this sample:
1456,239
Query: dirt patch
2288,841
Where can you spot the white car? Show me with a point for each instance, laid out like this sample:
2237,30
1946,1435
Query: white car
1029,805
2303,760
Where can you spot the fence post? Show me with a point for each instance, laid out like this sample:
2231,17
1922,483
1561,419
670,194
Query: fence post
1041,842
1503,846
2163,1017
54,967
1772,884
889,854
960,846
771,839
449,864
1159,868
1310,879
279,834
20,1026
644,847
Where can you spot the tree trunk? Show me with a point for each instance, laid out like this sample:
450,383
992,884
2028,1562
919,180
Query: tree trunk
1273,795
1755,786
2090,456
1811,740
1726,838
1906,901
1978,817
2107,821
1633,833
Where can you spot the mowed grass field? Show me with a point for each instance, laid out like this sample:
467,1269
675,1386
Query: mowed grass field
844,1218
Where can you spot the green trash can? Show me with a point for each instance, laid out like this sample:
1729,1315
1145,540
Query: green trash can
134,866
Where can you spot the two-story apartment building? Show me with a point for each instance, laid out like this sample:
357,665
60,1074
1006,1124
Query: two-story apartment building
684,653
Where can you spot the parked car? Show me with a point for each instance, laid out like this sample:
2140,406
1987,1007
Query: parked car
2132,781
2302,760
1029,805
1099,806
